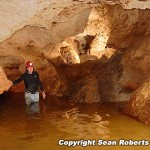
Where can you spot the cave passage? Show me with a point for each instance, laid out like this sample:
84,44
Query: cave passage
93,60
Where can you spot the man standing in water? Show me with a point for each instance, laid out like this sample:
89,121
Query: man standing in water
32,83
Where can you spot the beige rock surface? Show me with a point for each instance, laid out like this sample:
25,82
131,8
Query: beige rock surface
139,104
5,84
87,91
116,28
136,63
15,14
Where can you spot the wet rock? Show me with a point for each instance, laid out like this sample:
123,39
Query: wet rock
5,84
136,64
87,91
96,118
139,104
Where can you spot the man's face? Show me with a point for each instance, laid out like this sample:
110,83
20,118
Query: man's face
30,70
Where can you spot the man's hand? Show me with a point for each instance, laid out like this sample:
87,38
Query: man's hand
43,95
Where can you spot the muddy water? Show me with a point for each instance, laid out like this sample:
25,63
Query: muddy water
41,127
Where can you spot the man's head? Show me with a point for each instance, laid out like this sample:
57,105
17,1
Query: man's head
29,67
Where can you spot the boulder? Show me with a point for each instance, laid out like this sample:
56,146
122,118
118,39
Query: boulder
5,84
139,104
87,90
136,64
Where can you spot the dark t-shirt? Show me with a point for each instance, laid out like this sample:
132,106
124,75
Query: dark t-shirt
31,81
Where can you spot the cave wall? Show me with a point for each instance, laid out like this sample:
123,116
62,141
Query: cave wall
115,28
124,32
139,103
128,33
49,14
37,40
36,30
4,82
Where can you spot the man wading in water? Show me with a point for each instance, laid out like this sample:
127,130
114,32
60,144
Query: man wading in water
32,83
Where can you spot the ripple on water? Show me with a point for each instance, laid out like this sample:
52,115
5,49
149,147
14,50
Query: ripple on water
56,119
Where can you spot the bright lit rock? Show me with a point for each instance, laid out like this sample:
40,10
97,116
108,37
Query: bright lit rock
5,84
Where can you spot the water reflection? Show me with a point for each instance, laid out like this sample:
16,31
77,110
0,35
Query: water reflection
33,108
32,127
80,125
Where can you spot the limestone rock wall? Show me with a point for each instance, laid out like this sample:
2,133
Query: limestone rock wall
49,14
35,35
116,28
139,103
5,84
136,62
46,13
86,91
14,54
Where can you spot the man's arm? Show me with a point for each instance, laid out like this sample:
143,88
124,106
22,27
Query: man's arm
18,80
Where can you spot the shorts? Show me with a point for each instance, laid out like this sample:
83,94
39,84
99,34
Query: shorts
31,98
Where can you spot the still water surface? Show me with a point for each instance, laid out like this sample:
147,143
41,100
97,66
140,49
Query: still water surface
36,128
